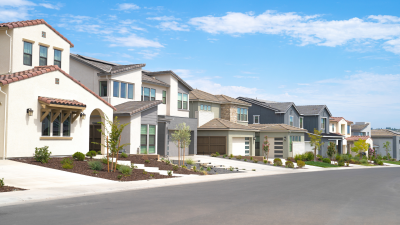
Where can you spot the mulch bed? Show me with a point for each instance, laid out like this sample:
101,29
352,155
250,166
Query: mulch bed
161,165
10,188
81,167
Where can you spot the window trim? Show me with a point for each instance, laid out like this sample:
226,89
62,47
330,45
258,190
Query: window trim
291,121
47,54
164,98
148,138
180,104
240,116
126,90
55,57
61,135
118,91
323,129
106,94
150,96
133,90
23,51
301,122
254,119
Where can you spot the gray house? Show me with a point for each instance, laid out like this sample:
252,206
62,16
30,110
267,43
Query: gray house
361,129
382,136
269,112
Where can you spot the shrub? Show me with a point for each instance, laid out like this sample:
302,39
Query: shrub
152,175
194,168
392,159
124,155
251,158
147,161
265,161
298,157
380,157
364,161
255,161
231,155
217,154
2,182
253,170
133,166
189,161
78,156
169,173
301,164
239,157
364,157
95,165
213,155
125,170
42,154
67,163
347,164
91,154
245,160
308,156
320,157
338,157
231,168
204,172
346,158
167,162
326,160
380,162
175,167
230,158
289,164
119,177
224,156
104,160
277,160
184,167
98,152
208,168
352,161
144,172
341,163
278,163
201,168
95,172
385,157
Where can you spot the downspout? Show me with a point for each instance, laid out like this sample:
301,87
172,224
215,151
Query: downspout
9,68
5,123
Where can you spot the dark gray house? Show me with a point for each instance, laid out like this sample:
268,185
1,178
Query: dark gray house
268,112
317,117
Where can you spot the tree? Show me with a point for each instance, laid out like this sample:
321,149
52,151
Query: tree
315,140
181,138
331,150
113,139
360,146
371,153
386,145
266,147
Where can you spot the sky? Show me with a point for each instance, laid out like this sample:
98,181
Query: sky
343,54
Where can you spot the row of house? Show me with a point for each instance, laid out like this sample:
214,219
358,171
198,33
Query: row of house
51,97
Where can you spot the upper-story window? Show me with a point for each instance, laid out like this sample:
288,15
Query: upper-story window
301,122
205,107
256,119
148,94
183,101
323,124
348,129
291,122
333,127
241,114
27,53
123,90
103,89
116,89
43,56
130,91
57,57
164,97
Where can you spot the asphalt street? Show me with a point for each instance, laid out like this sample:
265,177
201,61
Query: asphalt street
358,196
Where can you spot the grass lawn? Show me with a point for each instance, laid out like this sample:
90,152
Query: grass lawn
320,164
392,162
367,164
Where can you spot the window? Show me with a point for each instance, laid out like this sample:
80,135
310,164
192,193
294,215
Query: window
241,114
323,124
143,139
123,90
43,56
130,91
103,89
209,108
301,124
153,95
179,100
164,97
291,121
57,126
348,129
27,54
148,94
247,146
57,57
185,101
43,34
46,125
116,89
256,119
67,126
152,139
333,128
201,107
148,139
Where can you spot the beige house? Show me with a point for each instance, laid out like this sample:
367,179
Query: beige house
341,126
40,103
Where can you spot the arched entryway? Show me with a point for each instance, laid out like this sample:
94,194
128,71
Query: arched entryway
94,135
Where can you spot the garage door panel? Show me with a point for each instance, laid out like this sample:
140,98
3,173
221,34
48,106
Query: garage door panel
217,141
207,145
202,140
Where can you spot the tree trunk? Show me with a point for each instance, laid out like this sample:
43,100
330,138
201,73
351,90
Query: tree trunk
315,154
112,162
116,160
108,161
179,153
184,154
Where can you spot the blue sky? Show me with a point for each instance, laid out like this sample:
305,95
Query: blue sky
344,54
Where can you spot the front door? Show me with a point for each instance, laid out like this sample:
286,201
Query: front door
94,136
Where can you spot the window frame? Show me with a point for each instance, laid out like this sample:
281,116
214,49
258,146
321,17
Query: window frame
116,90
62,132
291,121
121,92
242,114
258,119
130,87
106,90
181,102
150,94
147,137
41,57
301,122
323,128
164,97
24,53
55,58
209,108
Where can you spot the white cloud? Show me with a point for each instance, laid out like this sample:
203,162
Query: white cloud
16,3
138,28
133,41
212,40
212,87
163,18
13,15
248,72
308,29
173,25
303,84
127,6
147,54
184,73
247,77
127,22
52,6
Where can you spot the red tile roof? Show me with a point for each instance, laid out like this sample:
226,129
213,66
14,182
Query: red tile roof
26,23
38,70
356,138
59,101
337,119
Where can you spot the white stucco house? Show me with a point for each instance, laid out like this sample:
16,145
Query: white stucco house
40,103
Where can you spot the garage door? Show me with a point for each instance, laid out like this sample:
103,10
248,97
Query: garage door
209,144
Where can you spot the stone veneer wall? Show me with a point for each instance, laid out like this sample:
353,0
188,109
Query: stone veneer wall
229,112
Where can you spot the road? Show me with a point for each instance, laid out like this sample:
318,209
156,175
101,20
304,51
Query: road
358,196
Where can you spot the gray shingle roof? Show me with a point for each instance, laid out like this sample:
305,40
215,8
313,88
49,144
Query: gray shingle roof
104,66
278,107
152,80
221,124
199,95
168,72
358,127
133,107
383,133
312,109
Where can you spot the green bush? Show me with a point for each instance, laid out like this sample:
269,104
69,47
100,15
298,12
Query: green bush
144,172
231,168
98,152
217,154
385,157
95,165
124,155
308,156
239,157
380,162
338,157
364,157
2,182
346,158
289,164
277,160
169,173
320,157
213,155
42,154
245,160
125,170
91,154
278,163
189,161
255,161
152,175
326,160
167,162
364,161
78,156
224,156
194,168
184,167
251,157
67,163
265,161
147,161
67,166
301,164
379,157
104,160
392,159
208,168
298,157
175,167
341,163
119,177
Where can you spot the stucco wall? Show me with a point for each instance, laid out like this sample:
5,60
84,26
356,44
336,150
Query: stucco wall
133,77
5,51
2,119
162,108
25,132
85,74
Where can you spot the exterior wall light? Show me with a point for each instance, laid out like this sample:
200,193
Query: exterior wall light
83,116
29,111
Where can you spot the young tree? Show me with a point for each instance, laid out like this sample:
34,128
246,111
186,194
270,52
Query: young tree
181,138
315,140
371,153
360,146
331,150
386,145
266,147
113,138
